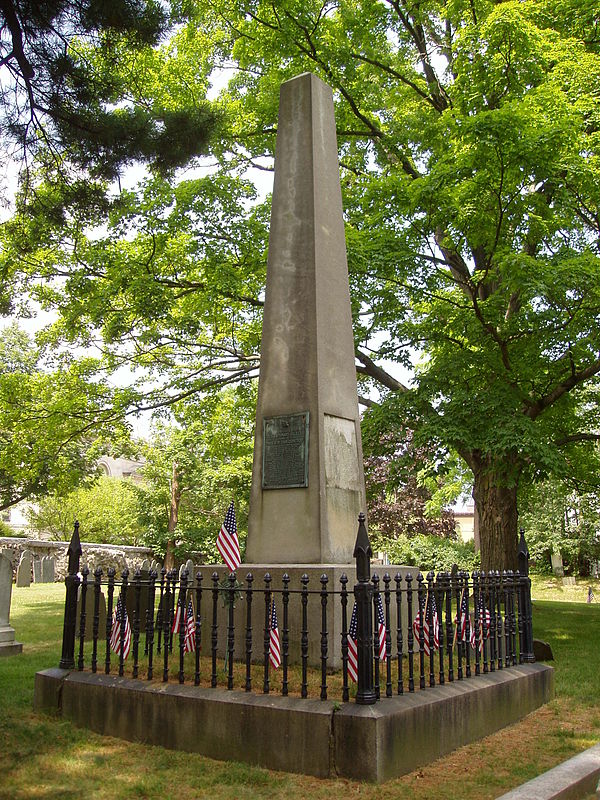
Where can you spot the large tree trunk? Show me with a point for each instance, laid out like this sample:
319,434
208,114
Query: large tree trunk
495,495
173,517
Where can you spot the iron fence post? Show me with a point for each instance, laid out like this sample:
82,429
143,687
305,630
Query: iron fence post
67,660
525,590
363,594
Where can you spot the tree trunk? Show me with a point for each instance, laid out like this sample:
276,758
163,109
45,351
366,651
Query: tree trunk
173,516
495,495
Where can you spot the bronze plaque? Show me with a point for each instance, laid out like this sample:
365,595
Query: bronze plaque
285,451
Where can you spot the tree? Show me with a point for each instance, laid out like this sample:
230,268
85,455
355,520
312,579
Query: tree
54,422
107,512
193,470
471,189
75,77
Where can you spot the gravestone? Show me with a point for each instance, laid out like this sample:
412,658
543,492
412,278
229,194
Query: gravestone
48,569
145,566
24,569
37,569
557,564
307,475
8,645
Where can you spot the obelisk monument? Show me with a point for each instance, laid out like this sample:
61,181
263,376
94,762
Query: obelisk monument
307,477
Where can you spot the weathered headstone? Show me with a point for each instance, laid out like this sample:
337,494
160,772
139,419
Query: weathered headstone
48,569
145,566
8,645
24,569
37,569
557,564
569,580
542,651
307,476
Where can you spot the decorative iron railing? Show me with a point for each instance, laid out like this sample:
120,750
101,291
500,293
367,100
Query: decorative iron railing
403,633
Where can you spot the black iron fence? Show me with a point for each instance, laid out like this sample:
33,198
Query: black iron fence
447,627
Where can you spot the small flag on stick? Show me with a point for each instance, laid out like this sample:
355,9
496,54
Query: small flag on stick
484,626
274,646
432,641
120,618
227,541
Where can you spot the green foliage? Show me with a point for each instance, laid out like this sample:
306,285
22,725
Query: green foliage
427,552
55,419
107,513
559,519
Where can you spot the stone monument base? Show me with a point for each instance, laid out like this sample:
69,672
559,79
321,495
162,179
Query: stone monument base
8,645
313,737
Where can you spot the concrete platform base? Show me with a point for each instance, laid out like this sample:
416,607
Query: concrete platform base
314,737
10,648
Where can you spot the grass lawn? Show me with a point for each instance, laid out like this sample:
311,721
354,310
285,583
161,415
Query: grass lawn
43,757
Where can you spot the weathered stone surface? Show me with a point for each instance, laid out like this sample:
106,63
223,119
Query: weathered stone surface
24,569
314,737
37,569
575,778
307,354
8,645
48,569
94,555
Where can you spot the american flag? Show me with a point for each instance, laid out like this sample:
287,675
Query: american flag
435,643
484,626
380,628
189,641
274,648
463,618
227,541
120,615
352,646
352,649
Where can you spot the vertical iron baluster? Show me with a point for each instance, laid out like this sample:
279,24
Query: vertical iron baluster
399,637
457,590
465,586
506,618
388,636
376,599
137,590
109,609
363,597
152,575
498,612
451,636
159,615
174,580
409,633
431,624
421,600
526,647
166,623
84,584
304,636
97,590
230,630
267,638
123,597
520,613
285,633
324,635
439,601
344,605
249,592
198,627
182,622
492,610
513,618
214,636
485,628
67,660
476,621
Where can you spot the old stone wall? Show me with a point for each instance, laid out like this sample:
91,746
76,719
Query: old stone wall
94,555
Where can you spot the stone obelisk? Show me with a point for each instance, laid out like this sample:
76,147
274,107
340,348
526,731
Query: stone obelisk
307,478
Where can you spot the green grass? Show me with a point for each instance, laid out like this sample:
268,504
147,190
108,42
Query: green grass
44,757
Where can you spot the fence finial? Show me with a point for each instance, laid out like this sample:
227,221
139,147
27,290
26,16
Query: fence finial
362,551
